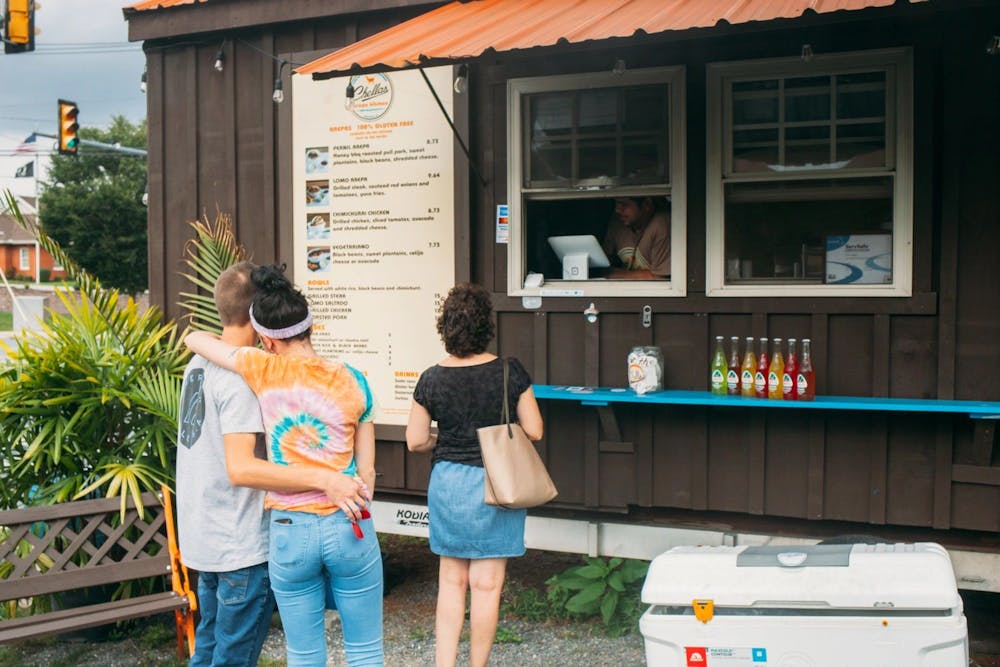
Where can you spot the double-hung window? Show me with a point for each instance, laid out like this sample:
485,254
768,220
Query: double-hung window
576,144
809,185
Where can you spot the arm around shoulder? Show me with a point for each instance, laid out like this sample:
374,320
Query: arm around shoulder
211,347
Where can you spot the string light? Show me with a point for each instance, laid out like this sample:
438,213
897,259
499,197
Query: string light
619,67
807,52
993,48
349,95
279,94
462,80
220,59
142,82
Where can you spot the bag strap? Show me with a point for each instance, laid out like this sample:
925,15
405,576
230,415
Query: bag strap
506,399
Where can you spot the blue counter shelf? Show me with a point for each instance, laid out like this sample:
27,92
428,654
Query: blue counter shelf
605,396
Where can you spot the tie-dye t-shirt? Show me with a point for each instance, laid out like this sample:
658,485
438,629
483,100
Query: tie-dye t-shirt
311,407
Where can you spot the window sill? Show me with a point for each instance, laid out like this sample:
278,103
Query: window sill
599,287
810,289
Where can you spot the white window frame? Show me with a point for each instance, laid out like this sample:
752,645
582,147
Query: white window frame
898,66
516,269
24,258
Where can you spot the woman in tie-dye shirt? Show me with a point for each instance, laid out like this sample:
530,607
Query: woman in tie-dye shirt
316,412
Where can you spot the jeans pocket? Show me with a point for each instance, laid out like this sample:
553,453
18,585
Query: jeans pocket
233,586
353,548
288,544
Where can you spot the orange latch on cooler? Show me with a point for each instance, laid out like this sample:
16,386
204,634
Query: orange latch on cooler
703,610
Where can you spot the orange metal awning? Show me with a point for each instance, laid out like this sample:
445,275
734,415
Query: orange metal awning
160,4
461,30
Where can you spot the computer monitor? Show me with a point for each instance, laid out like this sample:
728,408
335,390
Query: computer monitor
578,254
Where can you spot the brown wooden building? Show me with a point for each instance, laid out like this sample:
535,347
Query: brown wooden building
772,133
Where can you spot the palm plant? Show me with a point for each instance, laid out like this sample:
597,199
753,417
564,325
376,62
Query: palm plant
89,404
213,249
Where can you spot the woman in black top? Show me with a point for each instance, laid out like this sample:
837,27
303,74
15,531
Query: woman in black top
462,393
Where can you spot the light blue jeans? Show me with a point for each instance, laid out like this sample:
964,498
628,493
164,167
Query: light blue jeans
312,558
236,608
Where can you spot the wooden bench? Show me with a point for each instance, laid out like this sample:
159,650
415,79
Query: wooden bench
76,545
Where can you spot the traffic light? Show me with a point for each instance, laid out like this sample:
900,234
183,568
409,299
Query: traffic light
68,141
19,26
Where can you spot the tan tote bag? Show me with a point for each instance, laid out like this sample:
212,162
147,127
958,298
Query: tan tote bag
515,476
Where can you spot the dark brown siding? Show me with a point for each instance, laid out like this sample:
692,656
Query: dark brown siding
217,142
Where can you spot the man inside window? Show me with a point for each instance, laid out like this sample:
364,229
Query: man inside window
638,240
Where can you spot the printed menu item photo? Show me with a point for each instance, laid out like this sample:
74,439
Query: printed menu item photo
317,193
318,226
318,259
317,160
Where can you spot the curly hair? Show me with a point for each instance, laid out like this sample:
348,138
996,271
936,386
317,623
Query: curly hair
466,320
277,303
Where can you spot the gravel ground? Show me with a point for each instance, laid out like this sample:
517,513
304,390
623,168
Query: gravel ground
409,625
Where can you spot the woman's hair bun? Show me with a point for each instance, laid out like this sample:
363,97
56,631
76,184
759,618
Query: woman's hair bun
270,278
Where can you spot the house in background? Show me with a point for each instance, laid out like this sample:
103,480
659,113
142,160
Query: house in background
20,255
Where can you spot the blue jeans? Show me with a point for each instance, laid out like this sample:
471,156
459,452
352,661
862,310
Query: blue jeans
236,610
313,558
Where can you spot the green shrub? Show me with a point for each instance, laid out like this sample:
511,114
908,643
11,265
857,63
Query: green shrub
44,275
608,587
89,404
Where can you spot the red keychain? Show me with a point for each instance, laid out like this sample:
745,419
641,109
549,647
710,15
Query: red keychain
365,514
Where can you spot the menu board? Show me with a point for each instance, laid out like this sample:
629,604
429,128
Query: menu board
374,215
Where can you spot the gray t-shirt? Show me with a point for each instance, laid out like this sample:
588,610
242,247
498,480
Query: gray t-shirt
221,527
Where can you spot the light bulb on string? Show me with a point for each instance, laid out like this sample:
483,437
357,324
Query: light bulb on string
220,60
349,96
142,81
462,79
279,93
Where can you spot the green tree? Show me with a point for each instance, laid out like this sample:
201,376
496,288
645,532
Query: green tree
92,206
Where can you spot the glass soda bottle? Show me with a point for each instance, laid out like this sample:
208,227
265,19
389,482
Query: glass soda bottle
806,380
790,376
760,377
719,368
746,371
733,370
775,371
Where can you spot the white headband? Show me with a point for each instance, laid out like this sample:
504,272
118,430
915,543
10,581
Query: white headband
287,332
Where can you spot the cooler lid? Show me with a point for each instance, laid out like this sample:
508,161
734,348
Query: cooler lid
858,576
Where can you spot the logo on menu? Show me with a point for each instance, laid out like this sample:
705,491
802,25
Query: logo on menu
372,95
695,656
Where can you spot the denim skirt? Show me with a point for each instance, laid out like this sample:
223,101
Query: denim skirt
462,525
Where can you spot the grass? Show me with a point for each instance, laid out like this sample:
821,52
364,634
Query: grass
506,635
6,321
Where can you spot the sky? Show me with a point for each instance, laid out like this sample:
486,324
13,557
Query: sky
83,55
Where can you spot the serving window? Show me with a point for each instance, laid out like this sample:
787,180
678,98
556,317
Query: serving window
810,188
578,143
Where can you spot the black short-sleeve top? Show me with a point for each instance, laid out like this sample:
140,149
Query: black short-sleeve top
463,398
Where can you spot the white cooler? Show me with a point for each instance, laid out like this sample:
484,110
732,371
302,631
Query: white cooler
884,605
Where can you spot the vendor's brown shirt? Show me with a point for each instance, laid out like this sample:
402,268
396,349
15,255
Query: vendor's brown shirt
645,248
